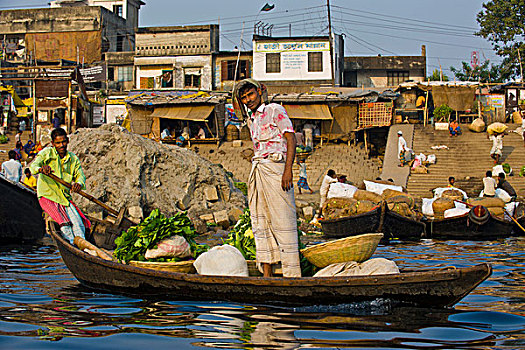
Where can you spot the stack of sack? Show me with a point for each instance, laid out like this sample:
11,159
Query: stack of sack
445,203
478,125
400,202
336,208
495,206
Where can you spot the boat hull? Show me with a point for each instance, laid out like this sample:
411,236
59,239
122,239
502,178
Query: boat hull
461,227
401,227
432,288
353,225
21,217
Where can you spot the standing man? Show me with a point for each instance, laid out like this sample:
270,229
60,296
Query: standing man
308,130
328,179
270,187
401,146
12,169
54,198
497,146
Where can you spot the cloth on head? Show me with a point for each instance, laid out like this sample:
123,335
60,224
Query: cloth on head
273,216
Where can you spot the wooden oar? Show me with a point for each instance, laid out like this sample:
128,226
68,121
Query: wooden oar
112,211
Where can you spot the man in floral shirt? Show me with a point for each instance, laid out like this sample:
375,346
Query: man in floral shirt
270,187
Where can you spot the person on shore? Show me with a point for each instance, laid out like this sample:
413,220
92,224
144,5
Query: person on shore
54,198
166,133
29,179
56,121
506,186
18,136
308,130
201,134
270,187
18,150
497,146
489,185
12,169
401,148
451,181
29,148
303,182
22,126
454,128
328,179
299,139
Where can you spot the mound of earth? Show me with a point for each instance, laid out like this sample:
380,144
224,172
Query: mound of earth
126,170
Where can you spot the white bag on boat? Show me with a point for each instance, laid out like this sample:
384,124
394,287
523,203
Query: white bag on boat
438,192
224,260
376,266
379,188
503,195
174,246
460,205
511,207
450,213
426,208
341,190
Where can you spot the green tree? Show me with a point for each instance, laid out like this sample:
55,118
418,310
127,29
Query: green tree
436,76
502,23
483,73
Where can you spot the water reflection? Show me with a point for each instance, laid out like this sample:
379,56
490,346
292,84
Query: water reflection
40,301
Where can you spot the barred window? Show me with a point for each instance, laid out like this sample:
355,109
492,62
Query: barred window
273,62
125,73
395,78
315,61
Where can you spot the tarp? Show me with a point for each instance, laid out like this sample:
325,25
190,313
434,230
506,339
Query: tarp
17,100
191,113
459,98
308,111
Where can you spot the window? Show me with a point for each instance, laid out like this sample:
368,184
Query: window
395,78
147,82
315,61
125,73
167,79
117,9
120,42
192,80
273,62
228,70
111,73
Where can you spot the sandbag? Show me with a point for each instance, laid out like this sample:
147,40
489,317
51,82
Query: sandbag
421,169
173,247
496,211
496,128
401,209
407,199
477,125
388,193
341,190
441,204
365,206
224,260
452,194
516,118
367,195
340,203
376,266
486,201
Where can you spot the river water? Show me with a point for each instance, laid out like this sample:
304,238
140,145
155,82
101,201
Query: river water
42,306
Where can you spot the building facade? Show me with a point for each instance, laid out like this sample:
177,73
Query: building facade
231,67
176,57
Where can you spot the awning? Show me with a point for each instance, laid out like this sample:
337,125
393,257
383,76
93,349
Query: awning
308,111
193,113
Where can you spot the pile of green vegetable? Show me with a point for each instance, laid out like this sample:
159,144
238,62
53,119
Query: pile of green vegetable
242,186
133,243
3,139
241,237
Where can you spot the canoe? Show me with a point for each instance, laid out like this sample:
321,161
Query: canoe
398,226
21,217
461,227
352,225
428,288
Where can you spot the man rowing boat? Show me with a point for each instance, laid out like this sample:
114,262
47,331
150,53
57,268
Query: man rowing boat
54,198
270,188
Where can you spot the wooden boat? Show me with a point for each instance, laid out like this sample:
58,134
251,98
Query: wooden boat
428,288
462,227
398,226
21,217
352,225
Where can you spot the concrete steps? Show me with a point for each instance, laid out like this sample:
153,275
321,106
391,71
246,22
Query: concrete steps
467,156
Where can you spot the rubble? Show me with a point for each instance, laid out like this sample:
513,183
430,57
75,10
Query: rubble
126,170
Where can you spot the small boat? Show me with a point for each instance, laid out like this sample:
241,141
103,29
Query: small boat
352,225
21,217
398,226
428,288
464,227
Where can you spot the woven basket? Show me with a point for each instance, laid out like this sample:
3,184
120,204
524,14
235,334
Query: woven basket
179,266
303,155
353,248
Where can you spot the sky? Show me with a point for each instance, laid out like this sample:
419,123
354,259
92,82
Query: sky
386,27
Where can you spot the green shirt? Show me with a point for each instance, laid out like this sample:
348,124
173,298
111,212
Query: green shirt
67,168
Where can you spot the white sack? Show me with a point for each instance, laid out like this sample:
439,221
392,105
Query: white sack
450,213
497,169
503,195
224,260
341,190
460,205
511,207
431,159
174,247
377,266
438,192
426,208
379,188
